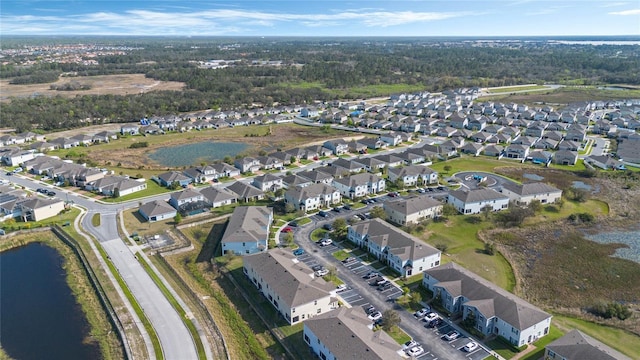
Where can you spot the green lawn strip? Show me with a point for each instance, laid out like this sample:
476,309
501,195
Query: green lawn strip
398,335
516,88
183,315
153,188
619,339
318,234
303,221
358,252
411,281
153,336
472,163
377,265
95,220
340,255
554,334
579,166
502,348
65,217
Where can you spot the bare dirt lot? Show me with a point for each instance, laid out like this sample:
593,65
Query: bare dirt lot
100,85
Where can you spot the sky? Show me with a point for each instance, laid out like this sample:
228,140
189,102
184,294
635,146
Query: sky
321,18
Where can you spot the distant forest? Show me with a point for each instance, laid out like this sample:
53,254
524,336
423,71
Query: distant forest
315,69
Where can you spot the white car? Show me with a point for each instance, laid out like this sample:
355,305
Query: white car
375,316
470,346
409,344
452,335
430,317
421,313
341,287
415,351
322,272
326,242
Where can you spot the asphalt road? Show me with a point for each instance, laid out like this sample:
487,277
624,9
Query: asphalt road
175,339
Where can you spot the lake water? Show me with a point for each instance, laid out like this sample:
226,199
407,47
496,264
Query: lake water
194,154
629,238
40,317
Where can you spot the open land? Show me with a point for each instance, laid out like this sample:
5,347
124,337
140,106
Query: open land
124,84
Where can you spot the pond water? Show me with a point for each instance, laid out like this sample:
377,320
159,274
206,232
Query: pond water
533,177
40,316
629,238
194,154
581,185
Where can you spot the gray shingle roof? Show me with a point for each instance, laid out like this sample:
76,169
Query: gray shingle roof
530,188
459,281
292,280
576,345
477,195
346,334
248,224
215,194
412,205
155,208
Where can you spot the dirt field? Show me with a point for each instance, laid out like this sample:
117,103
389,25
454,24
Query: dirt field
100,85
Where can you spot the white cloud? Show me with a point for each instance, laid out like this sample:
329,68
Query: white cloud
626,12
613,4
208,21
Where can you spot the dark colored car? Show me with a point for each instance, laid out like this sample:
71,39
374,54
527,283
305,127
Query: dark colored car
327,226
323,213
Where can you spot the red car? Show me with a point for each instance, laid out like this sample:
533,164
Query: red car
287,229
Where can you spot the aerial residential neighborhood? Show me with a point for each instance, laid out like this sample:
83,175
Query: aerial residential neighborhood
288,180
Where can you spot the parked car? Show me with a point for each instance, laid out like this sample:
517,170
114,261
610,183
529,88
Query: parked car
361,216
409,344
51,193
434,323
415,351
326,242
370,275
287,229
375,316
393,194
385,286
322,272
293,224
430,316
323,213
421,313
470,346
346,207
348,260
317,267
341,287
451,335
41,190
337,209
381,281
298,251
327,227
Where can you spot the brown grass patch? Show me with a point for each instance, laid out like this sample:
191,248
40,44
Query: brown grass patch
124,84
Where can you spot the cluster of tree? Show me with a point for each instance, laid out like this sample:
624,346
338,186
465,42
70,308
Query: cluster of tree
611,310
329,69
139,144
70,86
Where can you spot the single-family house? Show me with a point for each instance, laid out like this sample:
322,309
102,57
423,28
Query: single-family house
312,197
246,192
226,170
493,150
218,196
565,157
247,164
576,345
473,201
390,160
540,157
472,148
359,185
345,334
568,145
290,285
357,147
116,186
351,165
411,157
201,174
268,182
371,164
412,210
15,156
576,132
413,175
400,251
269,162
393,138
516,151
524,194
629,149
157,210
495,311
337,147
181,198
247,231
169,178
316,176
37,208
605,162
293,180
129,129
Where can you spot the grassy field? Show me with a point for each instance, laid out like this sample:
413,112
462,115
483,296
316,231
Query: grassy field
153,188
368,91
515,88
135,223
122,84
471,163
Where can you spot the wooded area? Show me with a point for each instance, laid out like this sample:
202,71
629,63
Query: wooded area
317,69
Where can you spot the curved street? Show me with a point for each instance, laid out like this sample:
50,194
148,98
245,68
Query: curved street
175,338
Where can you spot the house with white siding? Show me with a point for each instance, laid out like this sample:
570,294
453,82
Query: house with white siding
402,252
413,175
472,201
312,197
157,210
218,196
290,285
524,194
359,185
412,210
247,231
495,311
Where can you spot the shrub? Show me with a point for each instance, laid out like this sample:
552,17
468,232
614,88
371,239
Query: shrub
137,145
611,310
442,247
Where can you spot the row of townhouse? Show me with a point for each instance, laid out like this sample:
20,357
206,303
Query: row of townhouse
19,139
474,201
493,310
16,203
397,249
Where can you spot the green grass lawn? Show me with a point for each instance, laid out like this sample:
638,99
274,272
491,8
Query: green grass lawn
398,335
516,88
303,221
340,255
554,212
318,234
472,163
554,334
